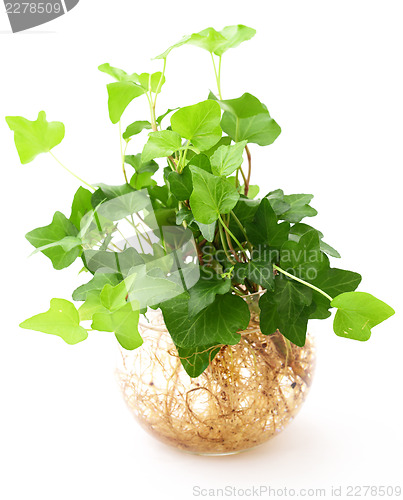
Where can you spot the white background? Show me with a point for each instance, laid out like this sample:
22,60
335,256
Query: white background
331,75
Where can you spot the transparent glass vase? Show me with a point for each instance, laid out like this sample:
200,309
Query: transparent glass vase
247,395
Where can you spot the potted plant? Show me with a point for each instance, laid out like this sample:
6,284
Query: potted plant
210,287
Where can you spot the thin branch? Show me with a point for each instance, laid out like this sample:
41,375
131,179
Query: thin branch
70,172
303,282
249,170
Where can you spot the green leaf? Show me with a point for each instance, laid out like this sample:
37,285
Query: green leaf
122,201
149,82
329,250
181,184
162,217
67,243
35,137
81,206
184,214
277,202
224,141
55,232
116,73
196,360
299,207
145,80
245,211
161,117
149,290
257,271
143,180
287,310
96,284
299,229
120,95
114,297
253,191
290,297
165,54
123,322
213,41
227,159
204,292
207,230
247,119
105,262
161,144
139,166
234,36
357,313
217,324
269,317
304,259
135,128
208,39
201,161
107,192
61,319
119,316
211,196
91,306
265,228
334,282
199,124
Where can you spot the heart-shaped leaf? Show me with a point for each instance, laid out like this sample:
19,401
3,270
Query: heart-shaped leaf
49,238
199,124
35,137
213,41
216,324
211,196
357,313
120,95
61,319
160,144
135,128
247,119
265,229
227,159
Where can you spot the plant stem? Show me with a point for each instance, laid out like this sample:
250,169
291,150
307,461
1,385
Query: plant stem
249,170
224,244
239,223
122,153
199,254
217,75
303,282
144,235
72,173
232,236
184,155
243,176
171,163
152,112
231,247
158,90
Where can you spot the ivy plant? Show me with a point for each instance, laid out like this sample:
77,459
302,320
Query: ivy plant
188,187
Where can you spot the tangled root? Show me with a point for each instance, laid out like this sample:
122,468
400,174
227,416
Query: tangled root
246,396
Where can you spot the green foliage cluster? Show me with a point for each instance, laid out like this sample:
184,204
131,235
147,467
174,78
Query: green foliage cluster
246,247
